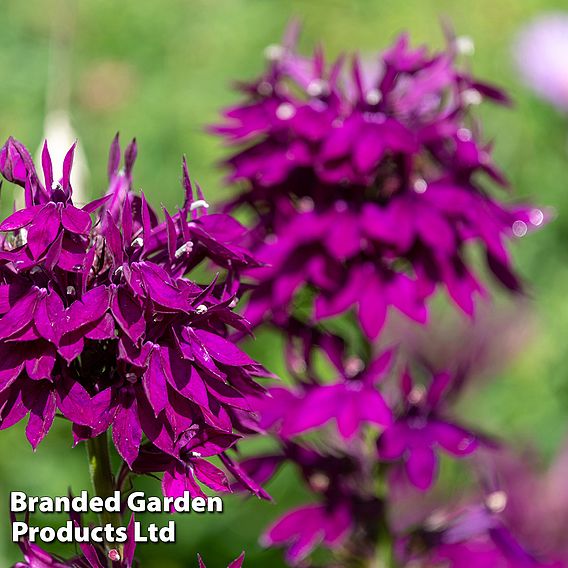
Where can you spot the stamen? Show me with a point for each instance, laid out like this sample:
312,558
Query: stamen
465,45
274,52
199,203
285,111
496,501
317,87
185,248
420,185
373,97
471,97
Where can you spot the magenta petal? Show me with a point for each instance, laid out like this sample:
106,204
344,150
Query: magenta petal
76,220
176,481
129,314
90,308
11,364
75,403
393,441
42,414
126,429
40,365
12,406
210,475
20,315
44,229
155,385
337,526
223,350
373,408
348,418
49,316
372,308
421,467
454,439
20,218
238,562
318,407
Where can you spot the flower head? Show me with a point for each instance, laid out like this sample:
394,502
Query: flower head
420,430
100,321
540,52
369,183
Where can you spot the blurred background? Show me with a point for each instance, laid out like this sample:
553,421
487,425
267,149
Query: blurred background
161,71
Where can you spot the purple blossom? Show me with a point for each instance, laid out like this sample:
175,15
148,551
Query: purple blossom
352,401
476,535
101,322
341,506
540,52
304,528
368,184
420,430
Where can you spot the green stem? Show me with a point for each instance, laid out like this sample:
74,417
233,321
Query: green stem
385,553
102,476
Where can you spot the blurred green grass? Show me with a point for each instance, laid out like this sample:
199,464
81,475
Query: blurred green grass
160,71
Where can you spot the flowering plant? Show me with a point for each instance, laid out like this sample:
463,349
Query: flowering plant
101,323
369,184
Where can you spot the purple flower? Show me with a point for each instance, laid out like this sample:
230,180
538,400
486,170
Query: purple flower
100,322
419,431
476,535
368,184
329,522
352,401
302,529
540,52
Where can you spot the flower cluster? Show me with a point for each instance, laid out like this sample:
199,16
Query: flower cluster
368,483
406,434
100,322
369,182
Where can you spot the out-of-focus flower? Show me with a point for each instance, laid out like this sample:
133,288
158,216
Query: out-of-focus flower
100,321
352,401
475,535
420,430
343,504
541,51
368,184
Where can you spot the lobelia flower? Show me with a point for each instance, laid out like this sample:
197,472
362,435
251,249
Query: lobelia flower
475,535
100,322
351,402
540,53
342,502
420,429
368,184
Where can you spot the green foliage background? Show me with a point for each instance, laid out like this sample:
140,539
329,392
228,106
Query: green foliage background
160,71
